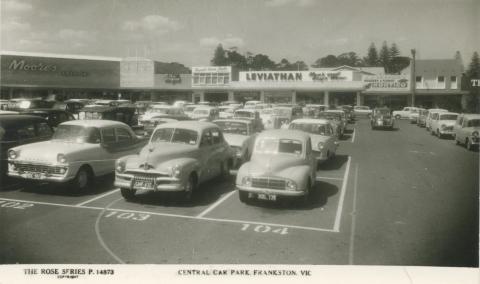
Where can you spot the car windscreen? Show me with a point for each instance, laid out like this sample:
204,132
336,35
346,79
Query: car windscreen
159,110
382,112
329,116
318,129
278,146
282,112
77,133
473,123
448,117
175,135
243,114
233,127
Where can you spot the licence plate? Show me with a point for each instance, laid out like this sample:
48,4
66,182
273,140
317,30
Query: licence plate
143,184
34,175
267,197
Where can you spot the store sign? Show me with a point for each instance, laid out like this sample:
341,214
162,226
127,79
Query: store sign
212,69
295,76
387,82
475,82
173,79
23,65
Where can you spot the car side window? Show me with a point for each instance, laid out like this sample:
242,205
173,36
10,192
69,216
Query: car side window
26,132
465,122
123,134
44,130
216,136
206,138
108,135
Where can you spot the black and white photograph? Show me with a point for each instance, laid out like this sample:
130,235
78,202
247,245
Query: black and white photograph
239,140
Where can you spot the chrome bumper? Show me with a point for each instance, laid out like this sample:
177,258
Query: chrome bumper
159,184
270,191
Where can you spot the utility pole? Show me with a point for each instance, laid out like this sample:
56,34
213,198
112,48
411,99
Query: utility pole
413,78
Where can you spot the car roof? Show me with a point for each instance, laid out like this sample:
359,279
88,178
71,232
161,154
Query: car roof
192,125
17,119
205,107
311,120
436,109
335,111
471,115
233,120
442,113
94,122
247,110
284,133
45,110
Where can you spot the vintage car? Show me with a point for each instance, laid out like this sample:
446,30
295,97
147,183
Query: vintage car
227,111
466,130
342,115
382,118
240,134
310,110
348,109
442,123
53,116
250,114
321,131
362,111
266,117
79,151
335,119
404,113
282,165
3,104
125,114
143,106
205,113
162,111
430,115
415,114
20,104
422,117
71,106
179,157
188,110
252,104
16,130
283,115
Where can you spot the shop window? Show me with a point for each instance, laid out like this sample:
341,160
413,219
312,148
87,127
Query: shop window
453,82
418,79
441,79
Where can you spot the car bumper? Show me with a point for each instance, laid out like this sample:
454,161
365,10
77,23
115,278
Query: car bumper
270,191
40,177
39,172
383,124
446,132
160,184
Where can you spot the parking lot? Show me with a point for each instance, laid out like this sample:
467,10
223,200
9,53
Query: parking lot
400,197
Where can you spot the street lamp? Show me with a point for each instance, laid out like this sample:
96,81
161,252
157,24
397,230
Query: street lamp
413,78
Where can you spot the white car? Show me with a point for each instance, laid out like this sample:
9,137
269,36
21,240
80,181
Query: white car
78,151
404,113
466,130
414,114
430,114
322,133
442,123
364,111
161,110
252,104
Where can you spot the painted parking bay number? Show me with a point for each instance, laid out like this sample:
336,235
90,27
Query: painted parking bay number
265,229
128,215
14,204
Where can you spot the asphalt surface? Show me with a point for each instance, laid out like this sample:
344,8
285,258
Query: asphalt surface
399,197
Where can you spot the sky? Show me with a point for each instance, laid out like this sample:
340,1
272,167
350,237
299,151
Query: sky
187,31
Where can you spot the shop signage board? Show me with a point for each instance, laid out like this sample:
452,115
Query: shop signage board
295,76
59,72
211,76
387,82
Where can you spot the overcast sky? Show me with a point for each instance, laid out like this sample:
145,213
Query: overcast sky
187,31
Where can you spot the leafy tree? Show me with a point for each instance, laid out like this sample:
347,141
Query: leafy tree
284,64
350,59
299,65
473,72
398,63
236,59
394,52
372,56
384,57
327,61
262,62
219,57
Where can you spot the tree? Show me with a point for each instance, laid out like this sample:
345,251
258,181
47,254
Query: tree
349,58
236,59
262,62
398,63
394,52
284,64
327,61
384,57
299,65
458,57
372,56
473,72
219,57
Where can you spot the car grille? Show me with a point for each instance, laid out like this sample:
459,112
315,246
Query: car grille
448,128
263,182
31,168
146,175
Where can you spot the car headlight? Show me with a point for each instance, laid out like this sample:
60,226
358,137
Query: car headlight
320,145
62,171
475,133
443,126
12,154
247,180
61,158
175,171
290,185
120,168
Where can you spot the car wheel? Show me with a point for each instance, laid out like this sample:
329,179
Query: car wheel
439,135
127,193
469,145
243,196
189,188
397,116
225,170
83,180
308,191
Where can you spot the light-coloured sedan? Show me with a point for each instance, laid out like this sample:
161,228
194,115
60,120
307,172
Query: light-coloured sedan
78,151
282,165
178,158
466,130
322,133
442,123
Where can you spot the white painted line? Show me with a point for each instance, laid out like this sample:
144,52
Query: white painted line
338,215
99,237
351,249
98,197
216,204
334,178
353,136
174,215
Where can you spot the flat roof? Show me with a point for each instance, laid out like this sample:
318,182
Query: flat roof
58,55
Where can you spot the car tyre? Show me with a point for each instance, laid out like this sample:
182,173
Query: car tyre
187,194
243,196
305,200
439,135
397,116
128,194
83,180
225,169
469,145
